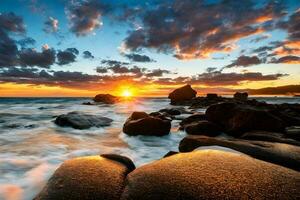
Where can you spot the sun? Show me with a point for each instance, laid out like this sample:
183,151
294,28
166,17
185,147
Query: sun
126,93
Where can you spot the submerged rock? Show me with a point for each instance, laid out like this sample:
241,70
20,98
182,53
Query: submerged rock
279,153
236,118
202,128
182,94
171,111
80,120
211,174
140,123
85,178
106,98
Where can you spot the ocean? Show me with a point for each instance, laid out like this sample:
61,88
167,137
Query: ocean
32,146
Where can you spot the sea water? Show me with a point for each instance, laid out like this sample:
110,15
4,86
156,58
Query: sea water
32,146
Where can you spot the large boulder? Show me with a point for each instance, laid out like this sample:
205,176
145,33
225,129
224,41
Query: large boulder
241,96
140,123
237,118
211,174
85,178
203,128
279,153
80,120
191,119
182,94
293,132
106,98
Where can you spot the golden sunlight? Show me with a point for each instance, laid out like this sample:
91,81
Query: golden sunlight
126,93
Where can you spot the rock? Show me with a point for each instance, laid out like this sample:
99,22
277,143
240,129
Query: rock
278,153
191,119
170,153
236,118
268,136
202,128
293,132
240,96
106,98
87,103
211,174
170,111
182,94
91,177
211,96
80,120
140,123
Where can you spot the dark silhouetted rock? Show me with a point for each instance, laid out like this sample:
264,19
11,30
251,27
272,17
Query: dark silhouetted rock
202,128
211,174
85,178
140,123
182,94
88,104
240,96
170,153
122,159
211,96
106,98
236,119
293,132
191,119
170,111
279,153
269,136
80,120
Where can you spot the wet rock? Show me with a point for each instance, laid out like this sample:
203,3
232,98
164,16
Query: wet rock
80,120
236,118
85,178
88,103
211,96
182,94
170,111
203,128
191,119
140,123
240,96
293,132
106,98
170,153
268,136
278,153
211,174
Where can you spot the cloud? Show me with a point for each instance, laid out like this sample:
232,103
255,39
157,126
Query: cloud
287,60
67,56
51,25
11,23
31,57
244,61
260,38
138,58
28,41
87,55
85,16
157,73
196,29
101,70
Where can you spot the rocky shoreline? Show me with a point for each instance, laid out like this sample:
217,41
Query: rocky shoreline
261,159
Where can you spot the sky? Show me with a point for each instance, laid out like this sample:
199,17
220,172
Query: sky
87,47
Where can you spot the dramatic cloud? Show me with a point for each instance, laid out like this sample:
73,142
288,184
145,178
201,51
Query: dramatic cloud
195,29
31,57
260,38
88,55
287,60
244,61
138,58
26,42
11,23
67,56
51,25
157,73
101,70
85,16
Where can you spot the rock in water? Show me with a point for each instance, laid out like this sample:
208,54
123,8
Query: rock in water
236,118
80,120
106,98
182,94
241,96
279,153
140,123
191,119
85,178
211,174
203,128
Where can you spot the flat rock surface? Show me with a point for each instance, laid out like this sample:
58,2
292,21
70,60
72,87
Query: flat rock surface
92,177
279,153
211,174
80,120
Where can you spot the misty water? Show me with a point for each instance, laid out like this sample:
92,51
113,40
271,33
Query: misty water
32,146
